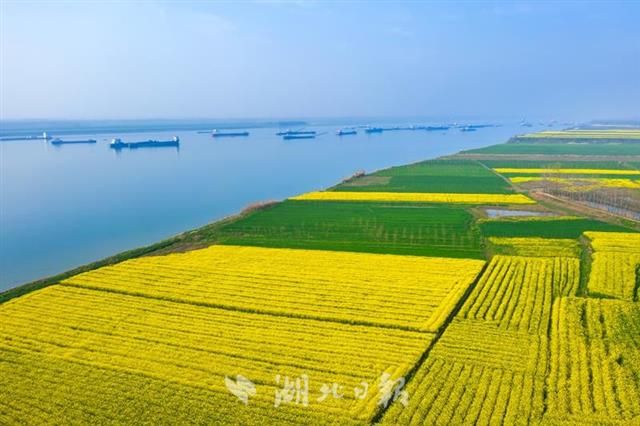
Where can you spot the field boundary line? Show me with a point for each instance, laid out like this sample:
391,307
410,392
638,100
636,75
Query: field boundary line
247,310
454,312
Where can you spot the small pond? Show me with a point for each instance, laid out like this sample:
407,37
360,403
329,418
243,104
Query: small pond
516,213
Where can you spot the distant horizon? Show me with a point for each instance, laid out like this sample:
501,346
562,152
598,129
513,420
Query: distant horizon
321,117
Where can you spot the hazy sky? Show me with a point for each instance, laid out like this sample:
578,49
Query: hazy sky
571,60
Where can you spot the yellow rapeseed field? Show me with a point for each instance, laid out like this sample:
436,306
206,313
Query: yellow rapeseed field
81,356
355,288
489,367
595,362
538,247
616,260
417,197
568,171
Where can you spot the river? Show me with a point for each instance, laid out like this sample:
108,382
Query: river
63,206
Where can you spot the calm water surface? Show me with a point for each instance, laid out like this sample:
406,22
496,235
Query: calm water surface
64,206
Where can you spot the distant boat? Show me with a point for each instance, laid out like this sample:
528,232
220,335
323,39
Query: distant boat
58,141
117,143
468,129
299,136
345,132
296,133
436,128
373,130
219,134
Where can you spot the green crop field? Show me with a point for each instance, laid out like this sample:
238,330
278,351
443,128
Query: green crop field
560,149
544,228
364,227
450,176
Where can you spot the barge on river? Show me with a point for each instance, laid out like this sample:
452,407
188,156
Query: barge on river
117,143
58,141
297,133
219,134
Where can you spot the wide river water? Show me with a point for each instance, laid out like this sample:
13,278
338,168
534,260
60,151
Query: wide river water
63,206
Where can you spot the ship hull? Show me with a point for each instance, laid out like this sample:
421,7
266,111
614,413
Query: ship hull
291,137
229,135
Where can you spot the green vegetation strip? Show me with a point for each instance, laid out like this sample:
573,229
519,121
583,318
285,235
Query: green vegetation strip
561,228
560,149
425,230
439,176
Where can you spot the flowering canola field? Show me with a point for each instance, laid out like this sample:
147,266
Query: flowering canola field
616,261
352,288
165,333
490,365
169,360
595,362
417,197
537,247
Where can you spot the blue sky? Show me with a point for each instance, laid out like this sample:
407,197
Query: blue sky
570,60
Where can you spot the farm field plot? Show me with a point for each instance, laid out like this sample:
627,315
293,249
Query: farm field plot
543,227
427,230
594,375
600,149
536,247
552,173
560,171
440,176
490,364
615,266
630,135
516,292
579,184
146,348
417,197
477,374
560,163
353,288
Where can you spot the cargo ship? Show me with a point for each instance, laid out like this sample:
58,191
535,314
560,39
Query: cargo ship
117,143
219,134
374,130
58,141
296,133
299,136
345,132
436,128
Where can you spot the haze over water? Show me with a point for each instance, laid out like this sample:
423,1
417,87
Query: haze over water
68,205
